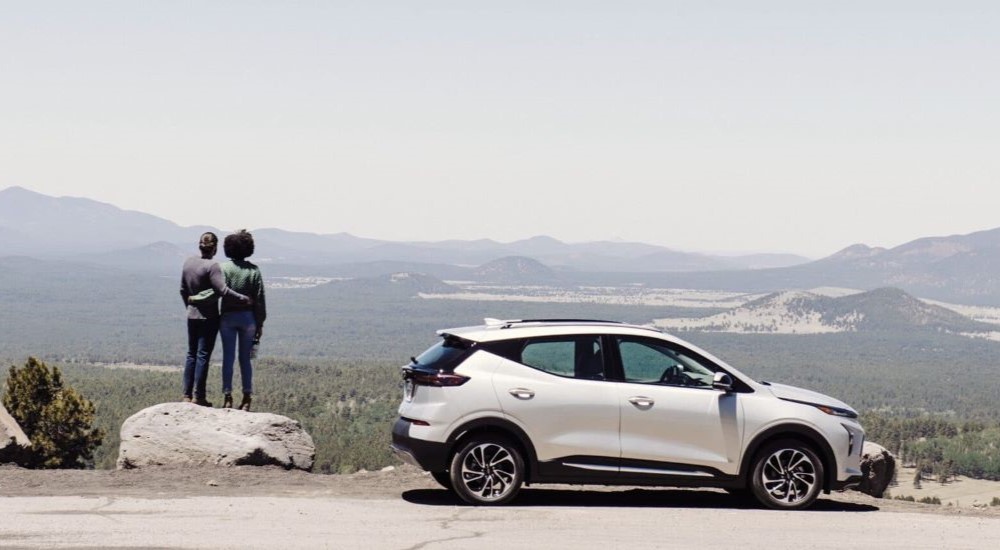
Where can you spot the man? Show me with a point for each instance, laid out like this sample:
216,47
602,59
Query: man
202,276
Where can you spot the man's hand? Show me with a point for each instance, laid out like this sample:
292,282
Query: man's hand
247,300
259,333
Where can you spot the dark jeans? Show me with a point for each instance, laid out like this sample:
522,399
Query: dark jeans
238,329
201,342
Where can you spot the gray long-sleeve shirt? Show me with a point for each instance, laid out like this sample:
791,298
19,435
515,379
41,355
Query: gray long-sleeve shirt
198,275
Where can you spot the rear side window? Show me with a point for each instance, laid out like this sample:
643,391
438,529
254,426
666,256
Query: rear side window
570,356
555,357
445,355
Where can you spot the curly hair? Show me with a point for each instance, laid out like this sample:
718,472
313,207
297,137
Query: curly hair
239,245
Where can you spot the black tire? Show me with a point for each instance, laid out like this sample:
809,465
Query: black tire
487,471
740,494
787,475
444,479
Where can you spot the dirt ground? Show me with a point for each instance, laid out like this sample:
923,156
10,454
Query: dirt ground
253,481
239,481
960,491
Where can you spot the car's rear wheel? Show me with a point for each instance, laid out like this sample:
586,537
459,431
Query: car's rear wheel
443,478
787,475
487,470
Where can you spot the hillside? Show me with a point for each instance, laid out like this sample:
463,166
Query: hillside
515,270
963,269
403,284
802,312
37,224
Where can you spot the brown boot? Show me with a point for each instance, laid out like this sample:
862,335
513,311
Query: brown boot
227,401
245,404
187,399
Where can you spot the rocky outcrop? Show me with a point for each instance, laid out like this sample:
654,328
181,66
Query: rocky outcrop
187,434
14,444
877,469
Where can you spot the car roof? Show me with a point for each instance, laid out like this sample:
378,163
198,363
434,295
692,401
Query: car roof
500,329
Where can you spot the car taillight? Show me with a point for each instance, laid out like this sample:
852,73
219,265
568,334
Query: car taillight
439,379
416,422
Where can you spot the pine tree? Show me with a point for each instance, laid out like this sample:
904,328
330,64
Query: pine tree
944,474
55,417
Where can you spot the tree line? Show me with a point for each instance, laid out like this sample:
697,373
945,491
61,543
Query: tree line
348,407
938,446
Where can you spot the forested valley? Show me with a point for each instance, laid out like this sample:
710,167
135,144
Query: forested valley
331,357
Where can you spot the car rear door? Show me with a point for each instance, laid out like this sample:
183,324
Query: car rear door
556,390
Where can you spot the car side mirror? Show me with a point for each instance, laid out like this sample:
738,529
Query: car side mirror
722,381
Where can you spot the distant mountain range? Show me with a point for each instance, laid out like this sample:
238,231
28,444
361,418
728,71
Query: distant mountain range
37,225
958,268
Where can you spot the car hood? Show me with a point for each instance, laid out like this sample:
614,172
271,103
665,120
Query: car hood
792,393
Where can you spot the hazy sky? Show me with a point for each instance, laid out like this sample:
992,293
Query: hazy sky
799,126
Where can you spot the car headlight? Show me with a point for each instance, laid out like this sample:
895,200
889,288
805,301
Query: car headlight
835,411
832,411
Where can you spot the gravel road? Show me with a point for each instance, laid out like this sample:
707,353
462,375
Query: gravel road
405,510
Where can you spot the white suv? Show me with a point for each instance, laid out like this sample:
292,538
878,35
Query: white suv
489,408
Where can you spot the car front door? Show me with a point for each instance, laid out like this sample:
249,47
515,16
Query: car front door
673,422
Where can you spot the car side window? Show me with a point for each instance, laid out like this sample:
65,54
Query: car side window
646,361
570,356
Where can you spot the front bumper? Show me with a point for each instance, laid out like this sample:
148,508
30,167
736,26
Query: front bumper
431,456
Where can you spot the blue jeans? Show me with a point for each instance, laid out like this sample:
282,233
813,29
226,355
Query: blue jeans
201,343
237,328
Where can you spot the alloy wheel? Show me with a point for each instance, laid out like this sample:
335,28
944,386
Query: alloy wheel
489,471
789,476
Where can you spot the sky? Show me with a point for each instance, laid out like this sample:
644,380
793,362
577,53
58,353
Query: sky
800,126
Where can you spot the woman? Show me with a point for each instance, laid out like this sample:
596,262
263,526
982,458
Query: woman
241,324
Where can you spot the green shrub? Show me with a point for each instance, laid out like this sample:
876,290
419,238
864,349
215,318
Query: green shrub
54,416
930,500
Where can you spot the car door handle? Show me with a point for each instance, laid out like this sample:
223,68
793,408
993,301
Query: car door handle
521,393
641,402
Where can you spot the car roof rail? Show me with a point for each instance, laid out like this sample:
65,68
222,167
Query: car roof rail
507,323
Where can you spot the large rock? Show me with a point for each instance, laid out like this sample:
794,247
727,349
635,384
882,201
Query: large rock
877,469
14,444
187,434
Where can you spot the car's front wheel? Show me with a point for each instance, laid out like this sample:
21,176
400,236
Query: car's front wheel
787,475
487,471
